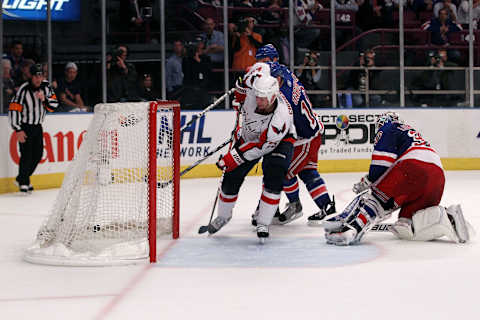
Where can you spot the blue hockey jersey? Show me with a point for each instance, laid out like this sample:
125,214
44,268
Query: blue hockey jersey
305,120
395,142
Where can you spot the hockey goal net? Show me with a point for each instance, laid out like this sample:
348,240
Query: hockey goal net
120,192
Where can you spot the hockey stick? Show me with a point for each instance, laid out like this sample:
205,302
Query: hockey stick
204,229
184,171
213,105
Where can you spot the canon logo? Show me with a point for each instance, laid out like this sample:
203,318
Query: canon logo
57,147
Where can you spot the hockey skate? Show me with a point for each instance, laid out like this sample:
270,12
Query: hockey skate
324,214
217,224
262,233
455,215
292,212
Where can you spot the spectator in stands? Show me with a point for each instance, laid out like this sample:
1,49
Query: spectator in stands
214,44
16,56
449,6
462,12
436,79
121,75
365,17
196,68
310,78
54,83
69,90
358,80
304,12
422,5
174,71
8,84
245,43
441,27
23,73
146,90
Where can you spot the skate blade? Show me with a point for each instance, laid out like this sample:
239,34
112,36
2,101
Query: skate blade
293,218
261,241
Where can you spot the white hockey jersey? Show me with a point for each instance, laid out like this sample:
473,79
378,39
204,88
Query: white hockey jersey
262,133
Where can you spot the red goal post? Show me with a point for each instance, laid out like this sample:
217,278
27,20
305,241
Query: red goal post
121,192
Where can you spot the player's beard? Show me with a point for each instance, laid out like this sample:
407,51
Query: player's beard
267,111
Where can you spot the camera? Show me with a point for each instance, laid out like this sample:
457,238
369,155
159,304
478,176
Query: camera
242,25
116,54
434,59
146,12
312,58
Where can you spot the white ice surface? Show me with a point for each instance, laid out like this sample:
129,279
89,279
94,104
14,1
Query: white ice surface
295,275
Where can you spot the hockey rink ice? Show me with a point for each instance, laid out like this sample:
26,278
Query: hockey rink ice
294,275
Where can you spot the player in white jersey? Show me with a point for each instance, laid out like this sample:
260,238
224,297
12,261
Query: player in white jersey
267,132
309,133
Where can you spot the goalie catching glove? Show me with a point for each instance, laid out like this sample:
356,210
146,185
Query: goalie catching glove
230,161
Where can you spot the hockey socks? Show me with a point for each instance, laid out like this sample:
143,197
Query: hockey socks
268,206
290,187
225,205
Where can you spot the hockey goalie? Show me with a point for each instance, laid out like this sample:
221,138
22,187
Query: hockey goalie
405,174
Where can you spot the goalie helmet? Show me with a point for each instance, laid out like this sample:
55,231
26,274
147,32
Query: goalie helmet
266,86
267,51
385,118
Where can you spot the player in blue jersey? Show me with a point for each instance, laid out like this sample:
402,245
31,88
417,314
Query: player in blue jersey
309,132
405,173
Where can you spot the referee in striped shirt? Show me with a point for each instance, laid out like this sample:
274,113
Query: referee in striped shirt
26,113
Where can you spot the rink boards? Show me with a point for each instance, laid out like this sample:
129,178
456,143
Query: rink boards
454,133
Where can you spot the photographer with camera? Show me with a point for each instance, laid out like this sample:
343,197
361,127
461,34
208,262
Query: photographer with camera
364,79
121,75
197,73
435,79
245,43
310,78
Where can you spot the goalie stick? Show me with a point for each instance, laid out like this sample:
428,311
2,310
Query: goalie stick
213,105
381,227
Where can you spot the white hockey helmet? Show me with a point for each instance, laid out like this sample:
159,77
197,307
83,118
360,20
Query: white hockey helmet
266,86
385,118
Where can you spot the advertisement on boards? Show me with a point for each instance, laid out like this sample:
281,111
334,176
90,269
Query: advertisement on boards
62,10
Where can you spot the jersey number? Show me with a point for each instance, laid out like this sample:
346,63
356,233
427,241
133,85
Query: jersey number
306,108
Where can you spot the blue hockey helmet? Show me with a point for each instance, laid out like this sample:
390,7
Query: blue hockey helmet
267,51
278,70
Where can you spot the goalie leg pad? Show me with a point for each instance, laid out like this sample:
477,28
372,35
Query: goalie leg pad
433,223
402,229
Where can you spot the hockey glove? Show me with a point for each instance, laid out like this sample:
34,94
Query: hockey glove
230,161
236,105
352,231
362,185
240,92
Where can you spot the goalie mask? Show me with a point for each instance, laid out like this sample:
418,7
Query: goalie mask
385,118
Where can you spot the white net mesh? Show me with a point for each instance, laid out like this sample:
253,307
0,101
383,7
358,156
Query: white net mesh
100,216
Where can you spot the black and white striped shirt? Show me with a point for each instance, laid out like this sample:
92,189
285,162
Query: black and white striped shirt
26,108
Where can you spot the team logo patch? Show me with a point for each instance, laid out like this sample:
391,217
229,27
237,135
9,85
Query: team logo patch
378,137
278,131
